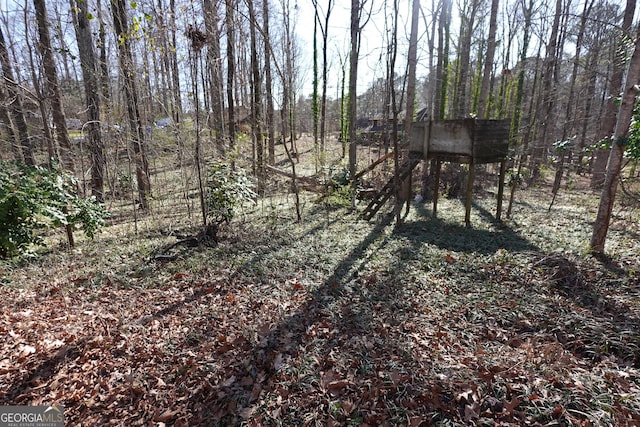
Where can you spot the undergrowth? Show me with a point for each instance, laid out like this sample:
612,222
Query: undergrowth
336,321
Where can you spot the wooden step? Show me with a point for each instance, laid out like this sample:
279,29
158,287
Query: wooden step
387,191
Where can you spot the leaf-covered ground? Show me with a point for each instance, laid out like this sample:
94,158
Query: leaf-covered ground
337,321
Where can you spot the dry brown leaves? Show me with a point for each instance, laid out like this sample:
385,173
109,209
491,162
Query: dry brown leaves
332,341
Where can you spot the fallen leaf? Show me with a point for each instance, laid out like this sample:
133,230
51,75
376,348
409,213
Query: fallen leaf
449,258
25,350
246,413
277,362
165,416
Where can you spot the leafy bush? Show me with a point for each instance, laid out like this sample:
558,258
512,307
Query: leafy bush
37,199
339,190
227,190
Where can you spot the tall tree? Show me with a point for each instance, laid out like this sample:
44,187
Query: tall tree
103,67
464,54
198,40
175,72
392,49
287,112
15,104
256,105
598,41
442,66
270,110
404,188
483,98
315,101
569,122
136,133
51,86
625,114
412,66
440,83
43,106
527,11
431,36
615,84
548,93
325,72
231,63
84,37
5,119
357,7
211,18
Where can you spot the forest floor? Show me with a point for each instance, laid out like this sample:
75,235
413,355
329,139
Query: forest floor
337,321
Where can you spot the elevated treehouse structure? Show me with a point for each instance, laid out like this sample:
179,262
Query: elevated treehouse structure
470,141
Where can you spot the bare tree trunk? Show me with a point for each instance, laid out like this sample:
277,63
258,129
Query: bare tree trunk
412,65
270,119
392,50
215,66
256,106
517,112
344,112
286,113
52,151
315,107
51,86
444,70
430,89
440,93
502,101
70,73
353,86
89,74
609,120
410,105
603,218
163,62
231,63
8,125
569,122
197,43
488,65
466,30
175,72
104,69
15,104
289,113
548,94
135,124
325,71
588,104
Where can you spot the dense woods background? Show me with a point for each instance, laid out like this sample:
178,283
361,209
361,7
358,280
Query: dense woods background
108,88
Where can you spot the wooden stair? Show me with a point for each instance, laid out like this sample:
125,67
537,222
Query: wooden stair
387,191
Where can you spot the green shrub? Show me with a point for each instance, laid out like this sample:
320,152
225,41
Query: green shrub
227,190
339,189
36,199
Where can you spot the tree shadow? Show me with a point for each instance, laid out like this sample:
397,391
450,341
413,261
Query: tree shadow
456,237
324,312
615,329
